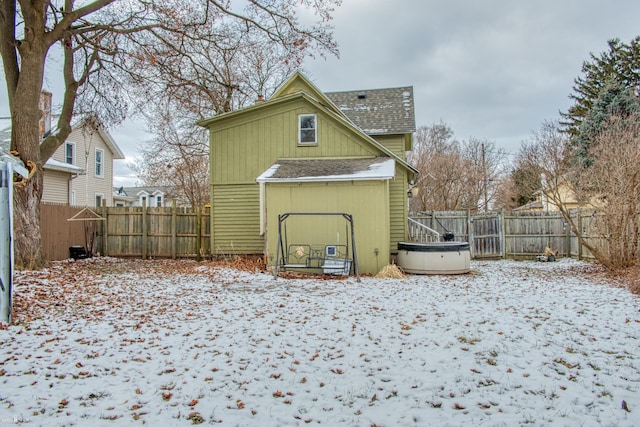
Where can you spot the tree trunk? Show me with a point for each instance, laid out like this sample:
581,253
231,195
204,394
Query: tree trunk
27,236
25,138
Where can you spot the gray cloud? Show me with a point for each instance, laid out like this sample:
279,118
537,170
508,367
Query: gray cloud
491,69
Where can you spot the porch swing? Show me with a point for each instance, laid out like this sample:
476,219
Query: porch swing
332,259
88,216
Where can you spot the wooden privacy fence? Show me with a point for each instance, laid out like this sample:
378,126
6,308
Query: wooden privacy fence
171,232
165,232
58,234
519,235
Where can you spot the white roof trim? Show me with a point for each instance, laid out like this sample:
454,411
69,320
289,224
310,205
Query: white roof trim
56,165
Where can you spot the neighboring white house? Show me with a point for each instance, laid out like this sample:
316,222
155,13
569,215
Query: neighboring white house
80,172
93,151
57,185
136,196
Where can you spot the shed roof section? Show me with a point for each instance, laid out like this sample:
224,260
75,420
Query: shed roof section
308,170
378,111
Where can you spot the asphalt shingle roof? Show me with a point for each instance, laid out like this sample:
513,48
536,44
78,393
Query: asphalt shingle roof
334,169
378,111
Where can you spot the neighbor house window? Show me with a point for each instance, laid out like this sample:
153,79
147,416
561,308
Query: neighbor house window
143,200
99,199
99,162
72,197
307,130
70,153
159,201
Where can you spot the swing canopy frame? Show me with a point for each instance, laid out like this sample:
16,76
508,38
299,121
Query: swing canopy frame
332,259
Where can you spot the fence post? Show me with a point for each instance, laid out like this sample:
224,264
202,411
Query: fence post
567,237
144,228
470,232
105,231
503,232
431,224
198,233
579,221
174,224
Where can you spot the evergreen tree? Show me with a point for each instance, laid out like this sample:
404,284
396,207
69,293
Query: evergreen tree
621,63
614,100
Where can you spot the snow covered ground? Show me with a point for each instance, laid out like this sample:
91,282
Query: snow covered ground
113,342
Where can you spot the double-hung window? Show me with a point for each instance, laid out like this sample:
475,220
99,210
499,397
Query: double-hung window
99,163
307,129
70,153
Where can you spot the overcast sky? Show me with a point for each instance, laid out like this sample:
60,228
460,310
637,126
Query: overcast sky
490,69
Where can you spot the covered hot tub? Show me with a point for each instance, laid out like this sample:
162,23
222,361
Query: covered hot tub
434,257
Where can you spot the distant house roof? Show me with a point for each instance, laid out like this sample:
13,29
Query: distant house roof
533,205
136,191
378,111
329,170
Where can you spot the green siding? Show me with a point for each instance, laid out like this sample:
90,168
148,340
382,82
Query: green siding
398,209
243,149
395,143
243,146
367,201
235,221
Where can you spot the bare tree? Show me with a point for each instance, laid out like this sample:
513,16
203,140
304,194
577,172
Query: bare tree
506,194
454,175
216,79
176,158
486,167
104,46
611,184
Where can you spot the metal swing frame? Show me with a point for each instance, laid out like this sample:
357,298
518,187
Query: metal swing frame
282,245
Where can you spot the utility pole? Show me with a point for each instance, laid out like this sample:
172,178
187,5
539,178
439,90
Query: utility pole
484,179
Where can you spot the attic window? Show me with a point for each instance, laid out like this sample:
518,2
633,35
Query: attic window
362,95
307,129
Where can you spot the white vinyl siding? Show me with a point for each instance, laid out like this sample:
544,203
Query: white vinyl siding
88,184
55,187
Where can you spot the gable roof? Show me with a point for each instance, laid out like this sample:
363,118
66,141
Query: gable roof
309,170
298,86
106,137
137,191
298,83
378,111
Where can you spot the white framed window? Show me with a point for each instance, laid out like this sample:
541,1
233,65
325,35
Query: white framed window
99,199
143,201
72,198
70,153
99,162
159,201
307,129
